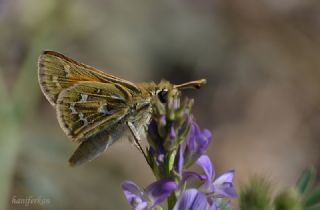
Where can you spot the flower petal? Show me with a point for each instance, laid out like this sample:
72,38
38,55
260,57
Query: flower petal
141,206
197,143
160,190
192,199
223,185
178,161
196,128
190,174
163,121
207,134
225,177
204,140
132,192
205,162
191,138
213,207
172,133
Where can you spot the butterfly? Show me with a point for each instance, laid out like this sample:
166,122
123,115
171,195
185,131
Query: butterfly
95,109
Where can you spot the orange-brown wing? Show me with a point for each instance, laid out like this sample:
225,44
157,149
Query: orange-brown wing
58,72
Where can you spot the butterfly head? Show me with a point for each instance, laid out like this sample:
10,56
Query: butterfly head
162,89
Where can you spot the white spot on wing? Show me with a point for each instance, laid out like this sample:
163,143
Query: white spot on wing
84,97
98,91
67,69
104,109
117,97
73,110
83,119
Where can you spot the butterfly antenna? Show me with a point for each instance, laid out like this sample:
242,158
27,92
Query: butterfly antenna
196,84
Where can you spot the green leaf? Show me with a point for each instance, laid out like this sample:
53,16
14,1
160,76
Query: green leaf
313,198
172,199
305,179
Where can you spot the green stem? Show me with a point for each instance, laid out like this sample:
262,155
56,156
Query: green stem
171,201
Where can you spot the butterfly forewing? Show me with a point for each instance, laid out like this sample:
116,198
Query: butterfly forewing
58,72
89,107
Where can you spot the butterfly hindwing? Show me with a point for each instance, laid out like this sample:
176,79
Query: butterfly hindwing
89,108
95,145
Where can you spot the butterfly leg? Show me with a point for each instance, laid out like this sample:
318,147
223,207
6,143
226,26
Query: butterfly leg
137,140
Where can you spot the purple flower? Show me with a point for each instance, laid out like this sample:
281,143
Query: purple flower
156,150
197,143
192,199
163,120
174,104
221,186
158,154
172,133
154,194
212,191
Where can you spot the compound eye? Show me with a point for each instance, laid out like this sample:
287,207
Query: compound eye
163,95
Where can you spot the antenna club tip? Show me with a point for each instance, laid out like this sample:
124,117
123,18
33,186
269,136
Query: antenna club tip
192,84
200,83
203,81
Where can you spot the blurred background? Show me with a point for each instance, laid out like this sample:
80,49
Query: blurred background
262,101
